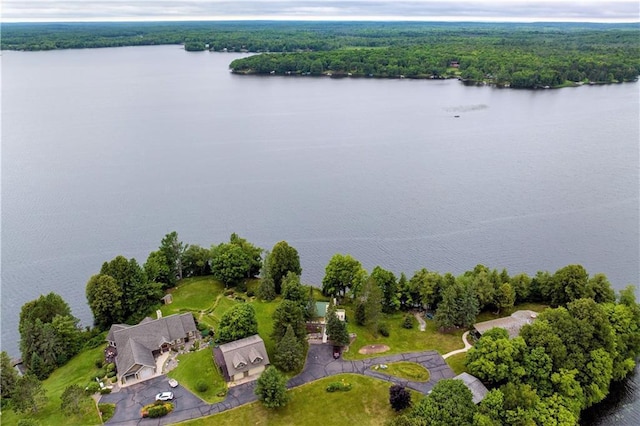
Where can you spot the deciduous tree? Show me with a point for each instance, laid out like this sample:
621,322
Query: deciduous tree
105,300
282,259
237,323
450,403
72,399
28,396
271,388
399,397
343,273
8,376
229,264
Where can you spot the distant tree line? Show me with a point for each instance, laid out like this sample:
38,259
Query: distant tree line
515,55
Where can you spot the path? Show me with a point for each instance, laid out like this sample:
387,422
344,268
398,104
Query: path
423,324
319,364
467,346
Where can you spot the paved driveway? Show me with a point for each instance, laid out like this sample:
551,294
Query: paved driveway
130,400
320,363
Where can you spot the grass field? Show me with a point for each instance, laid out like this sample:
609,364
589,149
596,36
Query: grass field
195,366
401,339
406,370
367,403
456,362
77,371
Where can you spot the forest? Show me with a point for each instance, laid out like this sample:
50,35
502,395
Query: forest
541,55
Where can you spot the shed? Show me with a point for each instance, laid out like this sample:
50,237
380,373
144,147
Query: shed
167,299
477,388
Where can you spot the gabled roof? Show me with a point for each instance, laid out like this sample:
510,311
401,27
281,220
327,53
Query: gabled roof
136,343
478,390
512,323
241,355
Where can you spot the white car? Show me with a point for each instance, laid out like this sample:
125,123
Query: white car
173,383
164,396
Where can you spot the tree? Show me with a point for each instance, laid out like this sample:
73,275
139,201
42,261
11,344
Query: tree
46,324
289,313
72,399
569,283
173,250
28,395
267,289
371,300
389,286
8,376
237,323
196,261
343,273
253,253
521,284
311,311
450,403
157,269
289,353
399,397
599,289
281,260
229,264
293,290
427,287
505,297
497,359
336,329
459,306
271,388
105,300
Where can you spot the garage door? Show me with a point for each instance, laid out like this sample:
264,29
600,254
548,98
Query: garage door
145,373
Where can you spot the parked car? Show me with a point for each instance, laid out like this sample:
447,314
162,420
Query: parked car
336,352
164,396
173,383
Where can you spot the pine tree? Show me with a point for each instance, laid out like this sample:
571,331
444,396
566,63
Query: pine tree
289,354
336,329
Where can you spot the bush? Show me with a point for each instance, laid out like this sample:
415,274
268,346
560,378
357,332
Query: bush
157,409
205,332
92,388
399,397
408,322
202,386
228,292
95,341
105,391
111,374
100,373
110,367
383,329
28,422
196,344
201,326
341,386
107,411
99,363
250,293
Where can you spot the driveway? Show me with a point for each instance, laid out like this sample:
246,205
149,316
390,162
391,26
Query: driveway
320,363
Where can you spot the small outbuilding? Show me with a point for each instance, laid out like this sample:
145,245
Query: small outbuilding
242,359
477,388
167,299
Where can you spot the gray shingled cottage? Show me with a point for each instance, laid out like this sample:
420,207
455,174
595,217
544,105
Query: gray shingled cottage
242,359
138,346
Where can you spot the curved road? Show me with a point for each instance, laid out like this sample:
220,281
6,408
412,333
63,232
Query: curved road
320,363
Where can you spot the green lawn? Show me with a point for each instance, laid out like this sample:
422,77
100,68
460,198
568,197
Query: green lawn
195,366
367,403
401,339
456,362
406,370
79,370
193,294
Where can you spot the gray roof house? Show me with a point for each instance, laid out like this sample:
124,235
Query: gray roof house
512,323
242,359
477,388
138,345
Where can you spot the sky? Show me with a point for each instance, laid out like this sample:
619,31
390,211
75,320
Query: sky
370,10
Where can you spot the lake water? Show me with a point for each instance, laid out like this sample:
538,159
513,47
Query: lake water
105,151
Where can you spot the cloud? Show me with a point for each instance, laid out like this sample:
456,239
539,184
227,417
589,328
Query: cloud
505,10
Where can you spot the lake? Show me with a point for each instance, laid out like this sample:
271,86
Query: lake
105,151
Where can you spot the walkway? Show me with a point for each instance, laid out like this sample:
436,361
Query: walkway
467,346
319,364
423,324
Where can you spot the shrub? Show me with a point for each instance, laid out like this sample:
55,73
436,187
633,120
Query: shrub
99,363
408,322
341,386
228,292
100,373
196,344
205,332
202,386
250,293
111,374
201,326
240,299
105,391
110,367
157,409
399,397
28,422
92,387
383,329
107,411
95,341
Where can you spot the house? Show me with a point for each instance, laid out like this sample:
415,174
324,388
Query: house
512,323
477,388
137,346
320,319
242,359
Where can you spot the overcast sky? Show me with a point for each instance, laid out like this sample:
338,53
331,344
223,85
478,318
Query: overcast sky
448,10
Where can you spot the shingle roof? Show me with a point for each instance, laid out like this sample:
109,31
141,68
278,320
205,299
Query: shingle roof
478,390
512,323
242,355
136,343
